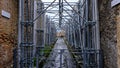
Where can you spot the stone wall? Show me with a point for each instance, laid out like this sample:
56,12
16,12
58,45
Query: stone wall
108,32
8,32
118,33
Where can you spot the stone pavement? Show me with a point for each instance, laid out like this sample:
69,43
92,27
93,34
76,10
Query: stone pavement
60,56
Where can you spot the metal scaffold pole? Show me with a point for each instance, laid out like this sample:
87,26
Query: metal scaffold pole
60,12
26,34
37,29
88,30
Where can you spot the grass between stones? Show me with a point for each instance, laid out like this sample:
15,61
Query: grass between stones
45,54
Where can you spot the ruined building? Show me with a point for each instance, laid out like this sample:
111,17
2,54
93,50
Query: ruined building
42,31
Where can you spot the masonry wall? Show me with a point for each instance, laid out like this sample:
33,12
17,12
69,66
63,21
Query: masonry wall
118,33
108,33
8,32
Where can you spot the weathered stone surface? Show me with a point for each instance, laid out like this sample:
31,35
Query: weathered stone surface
118,33
5,56
108,32
8,32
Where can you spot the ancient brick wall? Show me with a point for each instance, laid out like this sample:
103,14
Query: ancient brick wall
8,32
108,32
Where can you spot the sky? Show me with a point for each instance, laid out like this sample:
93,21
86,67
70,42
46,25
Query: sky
49,14
57,0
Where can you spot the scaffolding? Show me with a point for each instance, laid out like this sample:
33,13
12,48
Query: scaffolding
28,48
78,19
26,34
83,33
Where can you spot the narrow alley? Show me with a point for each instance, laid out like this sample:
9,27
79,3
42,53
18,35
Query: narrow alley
59,33
60,56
